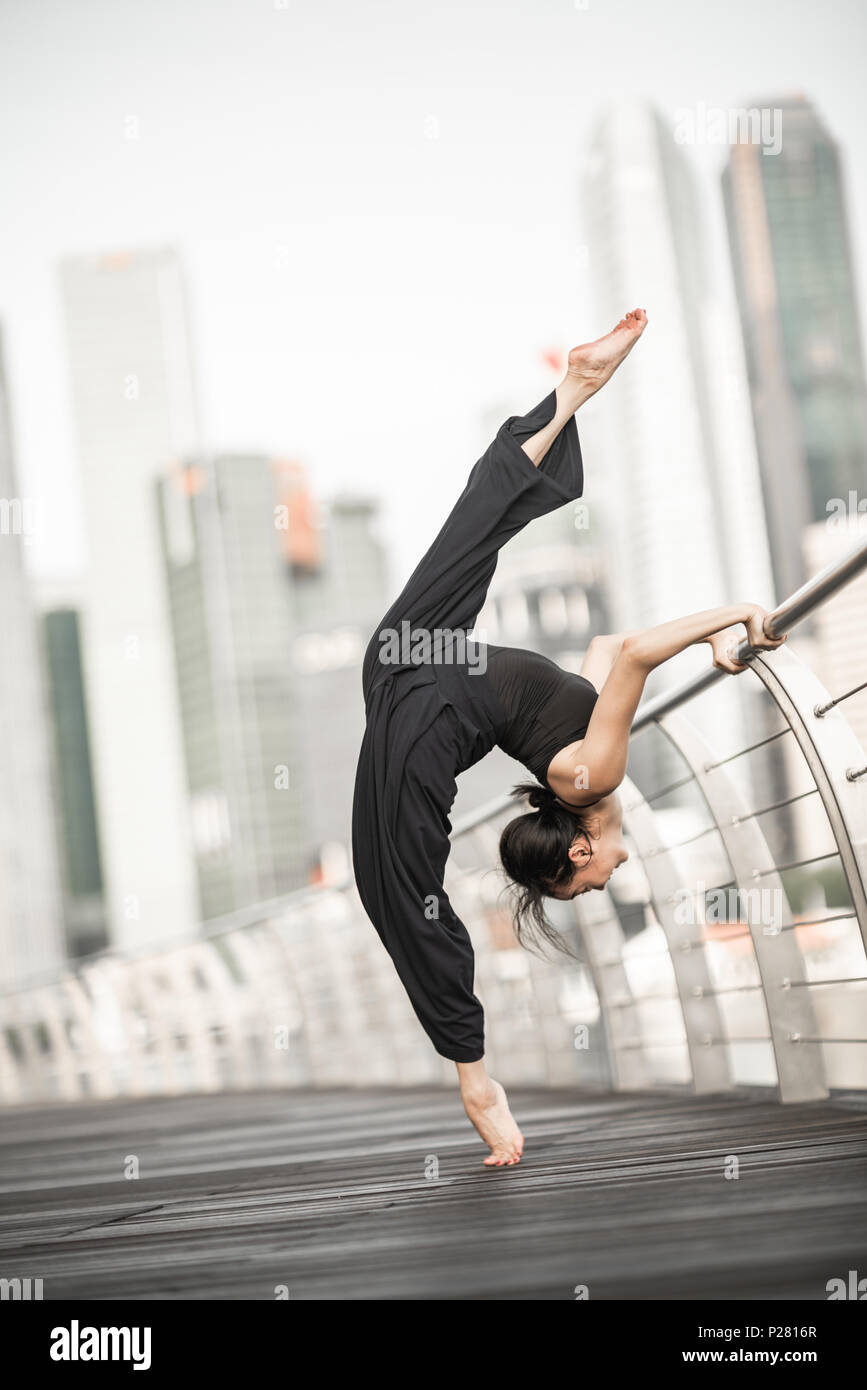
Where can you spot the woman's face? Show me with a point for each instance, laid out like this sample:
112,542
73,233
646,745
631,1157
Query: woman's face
593,870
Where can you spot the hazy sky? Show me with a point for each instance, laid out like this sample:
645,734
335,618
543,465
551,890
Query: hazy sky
377,204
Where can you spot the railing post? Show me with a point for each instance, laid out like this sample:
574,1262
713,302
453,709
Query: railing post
701,1015
602,938
800,1070
830,749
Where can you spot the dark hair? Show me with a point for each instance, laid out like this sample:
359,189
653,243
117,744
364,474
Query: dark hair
534,851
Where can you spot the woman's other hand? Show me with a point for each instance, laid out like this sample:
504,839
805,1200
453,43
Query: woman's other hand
724,646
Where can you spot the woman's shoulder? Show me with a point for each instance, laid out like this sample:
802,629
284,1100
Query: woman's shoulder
567,775
573,788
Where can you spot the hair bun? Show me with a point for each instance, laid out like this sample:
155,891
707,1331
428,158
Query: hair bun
542,798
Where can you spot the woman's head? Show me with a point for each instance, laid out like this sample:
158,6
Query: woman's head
554,852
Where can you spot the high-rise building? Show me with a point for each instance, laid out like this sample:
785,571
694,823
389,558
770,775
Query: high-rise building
675,465
232,629
789,240
270,608
31,919
683,496
80,857
134,408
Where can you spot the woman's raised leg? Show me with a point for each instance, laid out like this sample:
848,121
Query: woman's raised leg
590,366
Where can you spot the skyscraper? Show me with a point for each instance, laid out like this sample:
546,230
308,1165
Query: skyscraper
675,468
31,921
80,857
270,608
789,240
232,631
683,494
134,409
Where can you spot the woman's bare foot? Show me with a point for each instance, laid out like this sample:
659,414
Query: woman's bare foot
591,365
488,1109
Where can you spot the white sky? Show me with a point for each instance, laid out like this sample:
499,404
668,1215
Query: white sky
425,274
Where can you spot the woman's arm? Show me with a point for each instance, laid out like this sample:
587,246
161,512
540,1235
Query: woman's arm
596,766
655,645
601,654
660,643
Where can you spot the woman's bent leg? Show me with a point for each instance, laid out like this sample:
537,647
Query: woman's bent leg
449,585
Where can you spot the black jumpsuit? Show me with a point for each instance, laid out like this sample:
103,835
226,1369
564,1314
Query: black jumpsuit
429,721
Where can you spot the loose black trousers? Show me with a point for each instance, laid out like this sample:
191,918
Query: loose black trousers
428,722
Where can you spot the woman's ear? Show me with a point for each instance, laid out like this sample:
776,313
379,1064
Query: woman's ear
579,852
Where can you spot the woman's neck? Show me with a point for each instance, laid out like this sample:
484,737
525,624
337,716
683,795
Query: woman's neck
606,805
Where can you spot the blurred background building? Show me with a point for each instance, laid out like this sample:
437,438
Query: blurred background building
131,373
231,628
84,902
269,612
683,507
788,231
788,234
31,917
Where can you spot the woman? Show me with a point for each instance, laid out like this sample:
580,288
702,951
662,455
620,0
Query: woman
436,704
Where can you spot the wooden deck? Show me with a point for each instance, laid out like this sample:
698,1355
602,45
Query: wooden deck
326,1193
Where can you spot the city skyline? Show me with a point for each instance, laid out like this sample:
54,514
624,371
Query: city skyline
359,218
674,435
